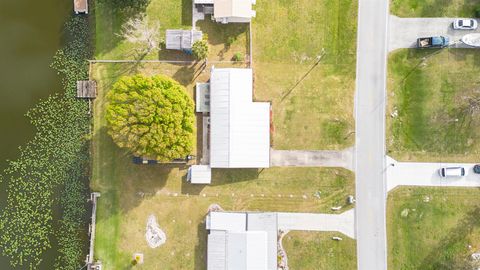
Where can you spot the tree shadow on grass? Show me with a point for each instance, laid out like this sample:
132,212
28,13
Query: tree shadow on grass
123,184
114,14
452,251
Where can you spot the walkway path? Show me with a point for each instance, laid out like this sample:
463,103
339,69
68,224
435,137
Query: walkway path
343,223
426,174
305,158
405,31
372,41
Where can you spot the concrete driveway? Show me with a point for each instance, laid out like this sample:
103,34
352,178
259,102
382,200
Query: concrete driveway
426,174
404,32
312,158
343,223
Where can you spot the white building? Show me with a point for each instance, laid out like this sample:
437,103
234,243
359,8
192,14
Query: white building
242,241
228,11
239,127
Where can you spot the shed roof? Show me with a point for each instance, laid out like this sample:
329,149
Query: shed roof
233,8
181,39
200,174
239,127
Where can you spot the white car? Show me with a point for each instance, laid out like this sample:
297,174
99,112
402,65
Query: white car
451,172
465,24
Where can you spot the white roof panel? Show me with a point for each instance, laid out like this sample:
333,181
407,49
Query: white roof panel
200,174
227,221
216,251
233,8
240,128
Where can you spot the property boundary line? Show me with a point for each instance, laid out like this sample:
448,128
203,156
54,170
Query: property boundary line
161,61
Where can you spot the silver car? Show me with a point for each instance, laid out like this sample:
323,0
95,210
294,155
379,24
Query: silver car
465,24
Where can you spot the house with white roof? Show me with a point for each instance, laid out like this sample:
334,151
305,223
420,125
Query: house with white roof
241,241
227,11
239,128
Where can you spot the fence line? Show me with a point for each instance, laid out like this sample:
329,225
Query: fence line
161,61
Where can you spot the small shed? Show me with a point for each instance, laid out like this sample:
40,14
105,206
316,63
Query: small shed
80,6
199,174
86,89
202,97
182,39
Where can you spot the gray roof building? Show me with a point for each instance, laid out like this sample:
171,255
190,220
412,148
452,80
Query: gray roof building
181,39
242,241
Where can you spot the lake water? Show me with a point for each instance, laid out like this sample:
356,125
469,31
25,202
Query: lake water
30,33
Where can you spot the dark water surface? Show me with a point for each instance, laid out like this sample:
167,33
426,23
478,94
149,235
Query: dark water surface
30,34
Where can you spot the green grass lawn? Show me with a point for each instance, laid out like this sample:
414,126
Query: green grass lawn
224,40
311,110
434,8
303,249
431,91
131,192
433,228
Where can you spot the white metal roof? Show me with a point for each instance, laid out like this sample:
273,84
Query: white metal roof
200,174
227,221
233,8
181,39
239,127
247,251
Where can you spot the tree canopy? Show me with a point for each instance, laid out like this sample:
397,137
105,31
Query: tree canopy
151,116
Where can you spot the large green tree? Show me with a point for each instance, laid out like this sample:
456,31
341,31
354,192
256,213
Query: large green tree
151,116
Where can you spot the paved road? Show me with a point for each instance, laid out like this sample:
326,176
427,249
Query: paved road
315,158
405,31
426,174
370,134
343,223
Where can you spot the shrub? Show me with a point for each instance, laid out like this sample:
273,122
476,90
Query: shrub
151,116
237,57
200,49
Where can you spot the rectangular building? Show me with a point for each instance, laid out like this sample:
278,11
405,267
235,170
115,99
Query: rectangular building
239,127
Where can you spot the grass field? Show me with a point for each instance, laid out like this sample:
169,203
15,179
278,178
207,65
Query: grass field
303,249
434,8
224,40
131,192
433,228
432,92
312,105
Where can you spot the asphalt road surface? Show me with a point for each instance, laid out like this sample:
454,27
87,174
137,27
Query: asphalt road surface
372,45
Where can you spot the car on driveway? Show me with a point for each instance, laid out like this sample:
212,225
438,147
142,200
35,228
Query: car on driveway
465,24
432,42
451,172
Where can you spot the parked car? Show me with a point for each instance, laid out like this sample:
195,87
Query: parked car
432,42
476,169
452,172
465,24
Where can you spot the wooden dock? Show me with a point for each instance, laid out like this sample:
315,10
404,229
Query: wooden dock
86,89
89,261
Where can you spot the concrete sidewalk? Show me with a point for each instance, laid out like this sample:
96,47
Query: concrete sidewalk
403,32
343,223
426,174
314,158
